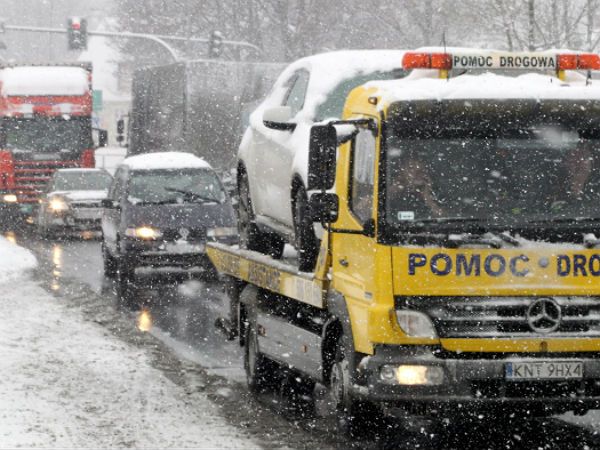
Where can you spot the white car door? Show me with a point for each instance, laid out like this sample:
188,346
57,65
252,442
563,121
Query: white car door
275,156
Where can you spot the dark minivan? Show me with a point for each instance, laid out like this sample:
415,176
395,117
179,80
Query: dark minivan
161,210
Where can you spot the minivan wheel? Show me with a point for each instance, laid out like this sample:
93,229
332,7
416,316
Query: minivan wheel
110,265
306,241
125,283
251,237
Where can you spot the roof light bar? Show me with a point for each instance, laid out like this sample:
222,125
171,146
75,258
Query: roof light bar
413,60
501,60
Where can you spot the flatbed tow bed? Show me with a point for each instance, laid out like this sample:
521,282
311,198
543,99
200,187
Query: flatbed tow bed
277,276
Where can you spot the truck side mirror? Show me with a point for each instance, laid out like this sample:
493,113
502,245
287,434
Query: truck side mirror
321,157
277,118
324,207
102,138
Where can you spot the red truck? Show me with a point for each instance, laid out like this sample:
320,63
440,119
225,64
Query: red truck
45,125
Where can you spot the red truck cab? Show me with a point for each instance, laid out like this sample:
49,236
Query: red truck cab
45,125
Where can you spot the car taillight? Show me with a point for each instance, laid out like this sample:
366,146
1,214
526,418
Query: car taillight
87,159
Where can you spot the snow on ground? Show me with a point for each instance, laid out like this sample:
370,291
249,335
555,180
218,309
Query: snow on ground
14,261
67,383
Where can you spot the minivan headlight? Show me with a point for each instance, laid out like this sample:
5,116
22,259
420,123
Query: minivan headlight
57,204
415,324
144,232
222,232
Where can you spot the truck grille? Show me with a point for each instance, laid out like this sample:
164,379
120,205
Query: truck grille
485,317
31,177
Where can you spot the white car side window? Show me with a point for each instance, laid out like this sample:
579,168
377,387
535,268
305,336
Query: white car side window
297,93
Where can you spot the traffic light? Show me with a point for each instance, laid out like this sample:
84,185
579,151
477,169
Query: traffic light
215,44
77,33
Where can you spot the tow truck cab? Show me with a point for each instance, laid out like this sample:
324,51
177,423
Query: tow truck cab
459,266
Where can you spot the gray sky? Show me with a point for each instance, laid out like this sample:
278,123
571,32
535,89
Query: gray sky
44,47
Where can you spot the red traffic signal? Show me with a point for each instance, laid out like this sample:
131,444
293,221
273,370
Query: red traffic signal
77,33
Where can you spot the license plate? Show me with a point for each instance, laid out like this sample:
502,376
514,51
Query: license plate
544,370
88,213
45,156
184,247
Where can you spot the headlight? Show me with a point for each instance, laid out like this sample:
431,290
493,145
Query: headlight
9,198
58,204
143,233
222,232
415,324
412,375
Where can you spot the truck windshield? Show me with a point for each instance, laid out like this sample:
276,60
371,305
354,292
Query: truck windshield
499,174
45,134
175,186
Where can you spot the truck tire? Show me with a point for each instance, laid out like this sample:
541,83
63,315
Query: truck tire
109,263
262,374
306,241
354,418
251,237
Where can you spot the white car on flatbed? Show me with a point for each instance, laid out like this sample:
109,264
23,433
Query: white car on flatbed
273,156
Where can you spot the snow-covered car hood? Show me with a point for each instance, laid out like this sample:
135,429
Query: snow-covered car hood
80,195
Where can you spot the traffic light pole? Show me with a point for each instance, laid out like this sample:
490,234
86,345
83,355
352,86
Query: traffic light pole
159,39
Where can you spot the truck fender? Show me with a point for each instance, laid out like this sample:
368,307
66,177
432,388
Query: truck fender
337,332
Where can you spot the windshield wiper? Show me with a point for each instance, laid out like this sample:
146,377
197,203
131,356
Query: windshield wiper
193,195
494,240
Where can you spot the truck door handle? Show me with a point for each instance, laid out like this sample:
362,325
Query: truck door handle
344,262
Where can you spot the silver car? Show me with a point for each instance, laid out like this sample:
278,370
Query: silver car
72,200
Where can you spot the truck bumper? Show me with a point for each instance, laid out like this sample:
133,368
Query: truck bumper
480,382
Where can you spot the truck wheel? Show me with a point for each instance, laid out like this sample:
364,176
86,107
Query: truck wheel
306,241
262,374
110,265
251,237
355,418
125,283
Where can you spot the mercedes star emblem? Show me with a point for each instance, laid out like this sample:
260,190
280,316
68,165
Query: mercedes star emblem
544,315
184,233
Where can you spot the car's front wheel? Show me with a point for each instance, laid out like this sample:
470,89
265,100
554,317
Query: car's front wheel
306,242
251,237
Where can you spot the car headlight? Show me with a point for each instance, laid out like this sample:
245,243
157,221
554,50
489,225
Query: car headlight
415,324
222,232
412,374
9,198
58,204
144,232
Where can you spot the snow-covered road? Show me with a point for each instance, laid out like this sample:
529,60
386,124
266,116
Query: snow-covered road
67,382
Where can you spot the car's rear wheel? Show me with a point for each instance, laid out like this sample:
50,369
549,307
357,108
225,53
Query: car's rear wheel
251,237
306,241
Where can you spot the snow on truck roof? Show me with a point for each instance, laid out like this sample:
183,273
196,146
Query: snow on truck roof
165,160
44,80
485,86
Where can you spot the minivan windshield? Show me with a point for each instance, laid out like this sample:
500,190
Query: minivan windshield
82,181
175,186
503,175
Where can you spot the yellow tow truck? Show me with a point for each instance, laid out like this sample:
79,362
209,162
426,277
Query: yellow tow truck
459,266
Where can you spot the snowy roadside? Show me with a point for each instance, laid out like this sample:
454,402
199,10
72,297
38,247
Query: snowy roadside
67,382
